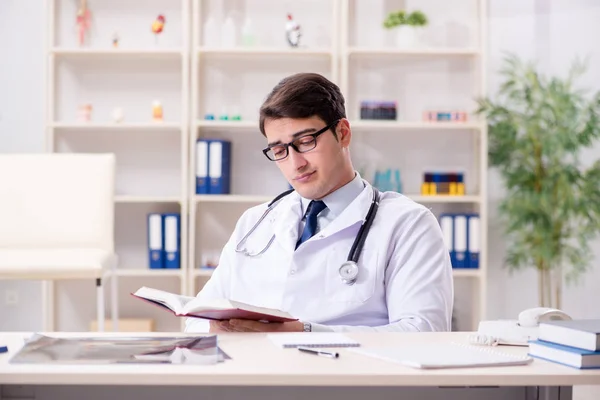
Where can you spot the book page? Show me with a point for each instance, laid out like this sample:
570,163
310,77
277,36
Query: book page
196,304
174,301
261,310
199,305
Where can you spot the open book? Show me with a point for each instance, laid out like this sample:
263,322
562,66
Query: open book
219,309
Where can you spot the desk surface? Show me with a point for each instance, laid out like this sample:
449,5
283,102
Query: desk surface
256,361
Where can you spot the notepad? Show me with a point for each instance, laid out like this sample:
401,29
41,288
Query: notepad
312,339
445,355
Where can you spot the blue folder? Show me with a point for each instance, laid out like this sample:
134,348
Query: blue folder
172,244
219,166
155,241
202,185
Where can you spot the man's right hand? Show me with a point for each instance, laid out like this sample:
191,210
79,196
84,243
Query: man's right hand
220,326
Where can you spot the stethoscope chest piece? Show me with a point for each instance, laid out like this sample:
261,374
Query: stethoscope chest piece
349,272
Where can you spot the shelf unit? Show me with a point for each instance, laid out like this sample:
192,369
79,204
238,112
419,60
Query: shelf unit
276,58
114,126
263,51
131,76
359,57
420,52
83,52
199,78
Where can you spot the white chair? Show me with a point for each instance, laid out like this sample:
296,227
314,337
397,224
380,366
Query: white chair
57,222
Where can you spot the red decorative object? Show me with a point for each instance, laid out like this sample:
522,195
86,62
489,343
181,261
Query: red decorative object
84,21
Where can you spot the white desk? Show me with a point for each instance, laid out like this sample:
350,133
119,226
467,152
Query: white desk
259,369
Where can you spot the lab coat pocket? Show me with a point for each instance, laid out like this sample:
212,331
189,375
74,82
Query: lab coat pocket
364,287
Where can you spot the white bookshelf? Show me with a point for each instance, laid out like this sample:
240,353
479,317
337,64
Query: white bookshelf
145,272
131,53
355,124
194,77
265,51
117,126
412,126
147,199
233,198
420,52
227,125
152,165
446,70
247,73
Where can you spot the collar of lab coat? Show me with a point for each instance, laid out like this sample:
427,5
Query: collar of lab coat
287,214
355,213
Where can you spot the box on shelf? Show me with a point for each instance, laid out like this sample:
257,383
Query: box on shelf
380,110
443,183
445,116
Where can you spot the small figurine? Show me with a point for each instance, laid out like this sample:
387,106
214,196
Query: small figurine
292,31
158,26
157,111
118,115
85,112
115,40
84,17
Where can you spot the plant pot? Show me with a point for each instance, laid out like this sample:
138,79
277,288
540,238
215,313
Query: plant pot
406,37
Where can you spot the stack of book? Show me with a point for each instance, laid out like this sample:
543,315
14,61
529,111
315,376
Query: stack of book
574,343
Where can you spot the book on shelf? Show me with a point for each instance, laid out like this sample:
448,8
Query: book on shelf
213,166
164,240
217,309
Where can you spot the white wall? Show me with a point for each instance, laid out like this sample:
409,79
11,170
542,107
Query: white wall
551,31
21,124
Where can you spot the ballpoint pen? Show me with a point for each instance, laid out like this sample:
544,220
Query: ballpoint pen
318,352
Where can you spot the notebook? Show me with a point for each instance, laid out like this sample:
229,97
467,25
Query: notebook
445,355
312,339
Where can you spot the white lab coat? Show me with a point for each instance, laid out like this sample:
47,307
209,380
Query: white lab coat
404,281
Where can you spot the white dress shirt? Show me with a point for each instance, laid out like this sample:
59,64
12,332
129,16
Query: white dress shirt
405,276
336,202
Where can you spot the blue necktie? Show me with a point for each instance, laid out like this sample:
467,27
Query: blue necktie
310,228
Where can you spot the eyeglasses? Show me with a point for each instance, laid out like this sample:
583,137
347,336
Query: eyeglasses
278,152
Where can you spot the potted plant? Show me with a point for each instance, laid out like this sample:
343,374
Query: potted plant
406,25
538,127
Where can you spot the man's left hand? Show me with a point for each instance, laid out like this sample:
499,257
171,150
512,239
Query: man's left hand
243,325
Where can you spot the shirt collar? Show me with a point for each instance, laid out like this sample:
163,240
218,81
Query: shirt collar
338,200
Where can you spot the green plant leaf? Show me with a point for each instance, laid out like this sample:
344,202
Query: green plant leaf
537,128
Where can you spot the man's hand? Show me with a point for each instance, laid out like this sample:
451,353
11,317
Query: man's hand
219,327
243,325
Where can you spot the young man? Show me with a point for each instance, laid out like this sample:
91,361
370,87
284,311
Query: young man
293,258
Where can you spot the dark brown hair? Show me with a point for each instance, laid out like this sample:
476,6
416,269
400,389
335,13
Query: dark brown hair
304,95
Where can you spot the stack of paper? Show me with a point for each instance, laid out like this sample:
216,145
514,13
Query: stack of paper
445,355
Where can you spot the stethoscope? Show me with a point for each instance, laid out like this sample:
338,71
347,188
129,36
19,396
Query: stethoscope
348,271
